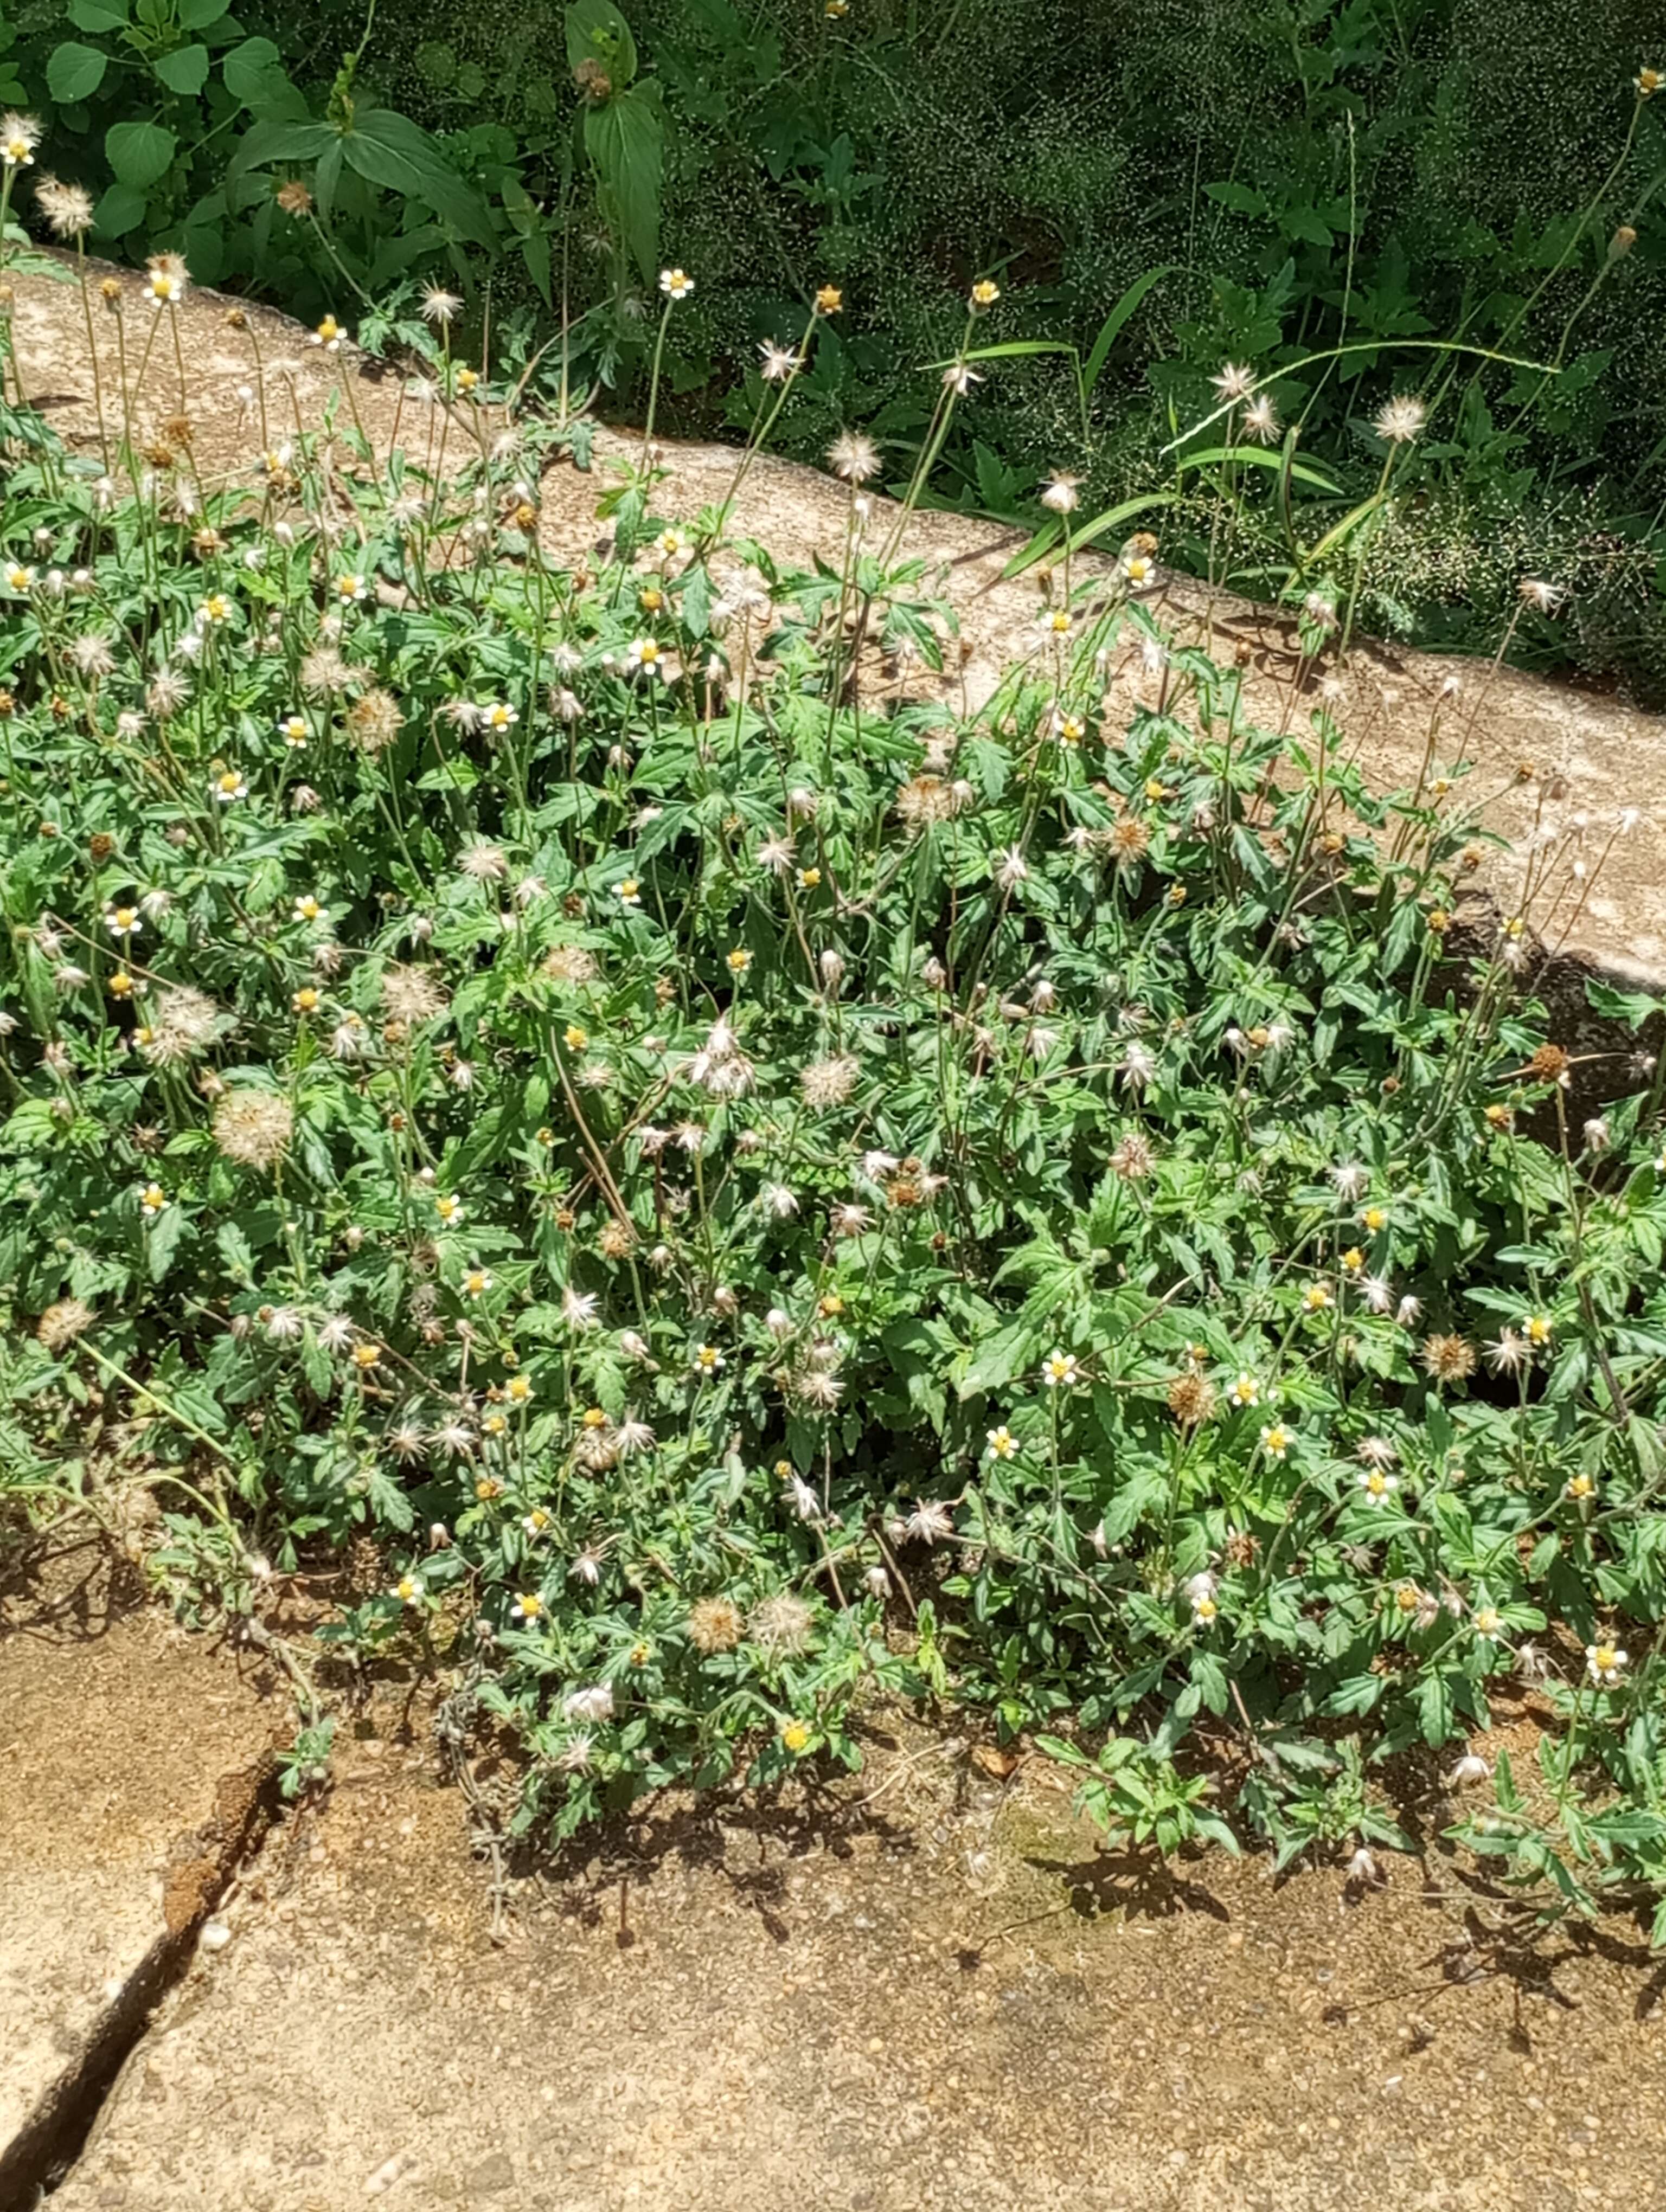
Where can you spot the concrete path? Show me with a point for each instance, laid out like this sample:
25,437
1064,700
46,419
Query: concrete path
131,1765
926,1992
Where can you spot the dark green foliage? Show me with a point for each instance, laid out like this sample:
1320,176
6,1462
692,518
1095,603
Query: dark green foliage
1299,171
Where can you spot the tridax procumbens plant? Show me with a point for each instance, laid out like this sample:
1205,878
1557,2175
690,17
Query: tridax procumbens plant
752,1179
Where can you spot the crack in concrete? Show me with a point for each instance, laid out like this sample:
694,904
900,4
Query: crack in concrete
45,2150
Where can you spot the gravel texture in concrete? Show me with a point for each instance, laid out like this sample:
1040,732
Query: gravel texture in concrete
925,1988
133,1761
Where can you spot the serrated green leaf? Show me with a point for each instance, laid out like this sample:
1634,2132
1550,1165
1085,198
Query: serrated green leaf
139,153
184,70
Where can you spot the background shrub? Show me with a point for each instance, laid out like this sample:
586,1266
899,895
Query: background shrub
1285,175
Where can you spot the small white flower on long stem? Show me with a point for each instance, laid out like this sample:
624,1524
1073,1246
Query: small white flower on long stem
1604,1664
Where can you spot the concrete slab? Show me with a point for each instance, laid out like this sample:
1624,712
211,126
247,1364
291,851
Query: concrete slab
131,1762
926,1992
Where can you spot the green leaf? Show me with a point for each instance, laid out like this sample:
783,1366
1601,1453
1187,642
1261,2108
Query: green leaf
1113,323
1067,1754
255,73
1239,198
74,70
1047,536
1434,1709
624,140
1631,1008
98,15
235,1249
1010,350
1302,222
1007,1353
139,153
280,138
197,15
388,148
597,31
120,209
1358,1694
1257,457
184,70
161,1241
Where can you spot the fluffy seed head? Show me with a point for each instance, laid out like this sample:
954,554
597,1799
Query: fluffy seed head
1447,1359
715,1624
782,1626
412,995
253,1128
854,458
61,1324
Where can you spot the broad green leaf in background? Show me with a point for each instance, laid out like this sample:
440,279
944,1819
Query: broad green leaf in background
184,70
74,71
280,138
139,153
255,73
625,139
120,209
386,148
